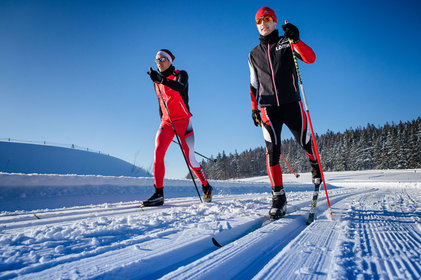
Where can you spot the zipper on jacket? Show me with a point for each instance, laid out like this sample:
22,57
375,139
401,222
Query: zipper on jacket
293,82
273,78
184,109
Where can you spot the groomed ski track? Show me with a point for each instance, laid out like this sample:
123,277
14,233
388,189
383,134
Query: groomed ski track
375,230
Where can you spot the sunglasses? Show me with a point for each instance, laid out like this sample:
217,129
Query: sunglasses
265,19
162,59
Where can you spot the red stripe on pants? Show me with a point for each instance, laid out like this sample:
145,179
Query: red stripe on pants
274,173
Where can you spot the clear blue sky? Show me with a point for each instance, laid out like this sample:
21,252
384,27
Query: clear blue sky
74,72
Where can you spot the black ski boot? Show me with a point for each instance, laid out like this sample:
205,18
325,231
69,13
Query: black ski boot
315,173
156,199
279,203
207,193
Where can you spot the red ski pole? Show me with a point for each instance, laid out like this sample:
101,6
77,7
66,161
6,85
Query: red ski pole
316,151
296,175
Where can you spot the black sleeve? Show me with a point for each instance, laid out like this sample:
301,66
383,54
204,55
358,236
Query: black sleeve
178,85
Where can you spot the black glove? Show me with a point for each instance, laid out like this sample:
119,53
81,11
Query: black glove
255,114
155,76
291,32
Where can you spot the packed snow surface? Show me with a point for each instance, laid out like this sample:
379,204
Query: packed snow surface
16,157
91,227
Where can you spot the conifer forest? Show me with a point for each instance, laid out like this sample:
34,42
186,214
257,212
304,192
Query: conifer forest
392,146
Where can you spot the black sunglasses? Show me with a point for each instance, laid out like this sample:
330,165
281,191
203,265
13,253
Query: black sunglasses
162,59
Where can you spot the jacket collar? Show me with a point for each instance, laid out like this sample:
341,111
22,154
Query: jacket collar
271,38
168,72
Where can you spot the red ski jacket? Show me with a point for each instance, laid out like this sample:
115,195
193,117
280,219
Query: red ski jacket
174,90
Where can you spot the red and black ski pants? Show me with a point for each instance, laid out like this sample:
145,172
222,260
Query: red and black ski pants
273,118
163,139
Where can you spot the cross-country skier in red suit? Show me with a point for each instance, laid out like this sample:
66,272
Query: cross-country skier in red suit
274,86
173,85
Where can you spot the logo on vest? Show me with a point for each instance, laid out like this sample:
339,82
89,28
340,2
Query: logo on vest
282,46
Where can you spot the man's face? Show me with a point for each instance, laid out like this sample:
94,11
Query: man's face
266,27
162,65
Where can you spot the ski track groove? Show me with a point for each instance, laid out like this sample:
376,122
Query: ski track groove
370,250
310,252
308,256
245,248
125,241
69,215
383,236
38,269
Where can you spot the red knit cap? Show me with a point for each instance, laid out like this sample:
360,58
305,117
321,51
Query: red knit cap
266,11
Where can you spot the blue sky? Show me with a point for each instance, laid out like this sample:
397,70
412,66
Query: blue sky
74,72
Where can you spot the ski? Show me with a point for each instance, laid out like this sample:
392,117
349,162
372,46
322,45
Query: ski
313,204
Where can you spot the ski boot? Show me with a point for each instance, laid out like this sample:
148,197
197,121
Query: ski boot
156,199
315,173
207,193
279,203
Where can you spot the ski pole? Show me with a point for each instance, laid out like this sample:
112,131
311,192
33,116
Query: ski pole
316,151
178,140
296,175
200,154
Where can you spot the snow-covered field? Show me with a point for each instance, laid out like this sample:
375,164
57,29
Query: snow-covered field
90,227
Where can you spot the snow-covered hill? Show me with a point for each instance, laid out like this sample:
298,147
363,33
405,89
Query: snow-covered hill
45,159
375,232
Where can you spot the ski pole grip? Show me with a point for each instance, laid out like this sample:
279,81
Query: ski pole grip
290,40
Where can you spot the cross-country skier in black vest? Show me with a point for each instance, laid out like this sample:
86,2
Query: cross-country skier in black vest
274,86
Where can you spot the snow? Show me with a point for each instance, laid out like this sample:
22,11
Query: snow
16,157
90,227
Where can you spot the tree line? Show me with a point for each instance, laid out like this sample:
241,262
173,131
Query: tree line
392,146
